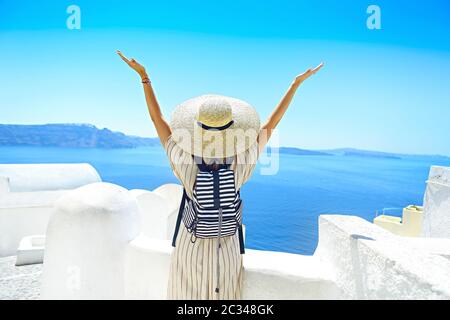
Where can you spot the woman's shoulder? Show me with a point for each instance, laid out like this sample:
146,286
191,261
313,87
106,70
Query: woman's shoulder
170,143
177,156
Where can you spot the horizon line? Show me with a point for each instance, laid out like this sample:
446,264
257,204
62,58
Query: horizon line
295,147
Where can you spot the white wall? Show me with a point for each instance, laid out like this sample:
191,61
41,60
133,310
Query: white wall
85,243
52,176
27,194
279,275
369,262
436,211
355,259
267,275
172,193
158,210
147,263
16,223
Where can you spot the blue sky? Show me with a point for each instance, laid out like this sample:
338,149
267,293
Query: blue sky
382,89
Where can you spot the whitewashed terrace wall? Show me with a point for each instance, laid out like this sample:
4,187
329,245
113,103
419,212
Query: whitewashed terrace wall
355,259
369,262
267,275
27,195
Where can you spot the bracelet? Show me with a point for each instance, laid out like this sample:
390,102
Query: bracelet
146,80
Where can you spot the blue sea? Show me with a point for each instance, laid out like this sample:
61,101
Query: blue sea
281,211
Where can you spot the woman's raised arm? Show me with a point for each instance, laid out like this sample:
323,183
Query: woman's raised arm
278,113
162,127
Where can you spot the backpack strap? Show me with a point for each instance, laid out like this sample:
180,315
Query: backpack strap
241,234
180,216
241,239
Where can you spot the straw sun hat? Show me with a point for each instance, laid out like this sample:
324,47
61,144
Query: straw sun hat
214,126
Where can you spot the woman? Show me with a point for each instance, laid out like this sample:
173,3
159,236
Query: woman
210,136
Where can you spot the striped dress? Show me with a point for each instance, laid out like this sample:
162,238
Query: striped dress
193,272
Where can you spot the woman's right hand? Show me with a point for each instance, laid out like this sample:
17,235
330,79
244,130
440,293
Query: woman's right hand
308,73
134,65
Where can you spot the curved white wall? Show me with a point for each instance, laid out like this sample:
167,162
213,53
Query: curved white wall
86,240
172,193
153,213
158,209
52,176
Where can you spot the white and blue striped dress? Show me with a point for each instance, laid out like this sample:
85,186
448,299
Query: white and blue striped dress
192,270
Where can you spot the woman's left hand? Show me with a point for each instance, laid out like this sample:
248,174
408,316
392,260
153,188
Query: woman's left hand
308,73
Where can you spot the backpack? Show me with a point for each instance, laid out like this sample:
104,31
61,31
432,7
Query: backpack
215,210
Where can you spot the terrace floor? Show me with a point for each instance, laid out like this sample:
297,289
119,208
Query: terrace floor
21,282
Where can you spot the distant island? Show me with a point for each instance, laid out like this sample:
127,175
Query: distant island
69,135
299,152
351,152
83,135
364,153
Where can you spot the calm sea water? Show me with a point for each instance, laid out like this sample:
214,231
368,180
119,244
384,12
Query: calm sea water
281,211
